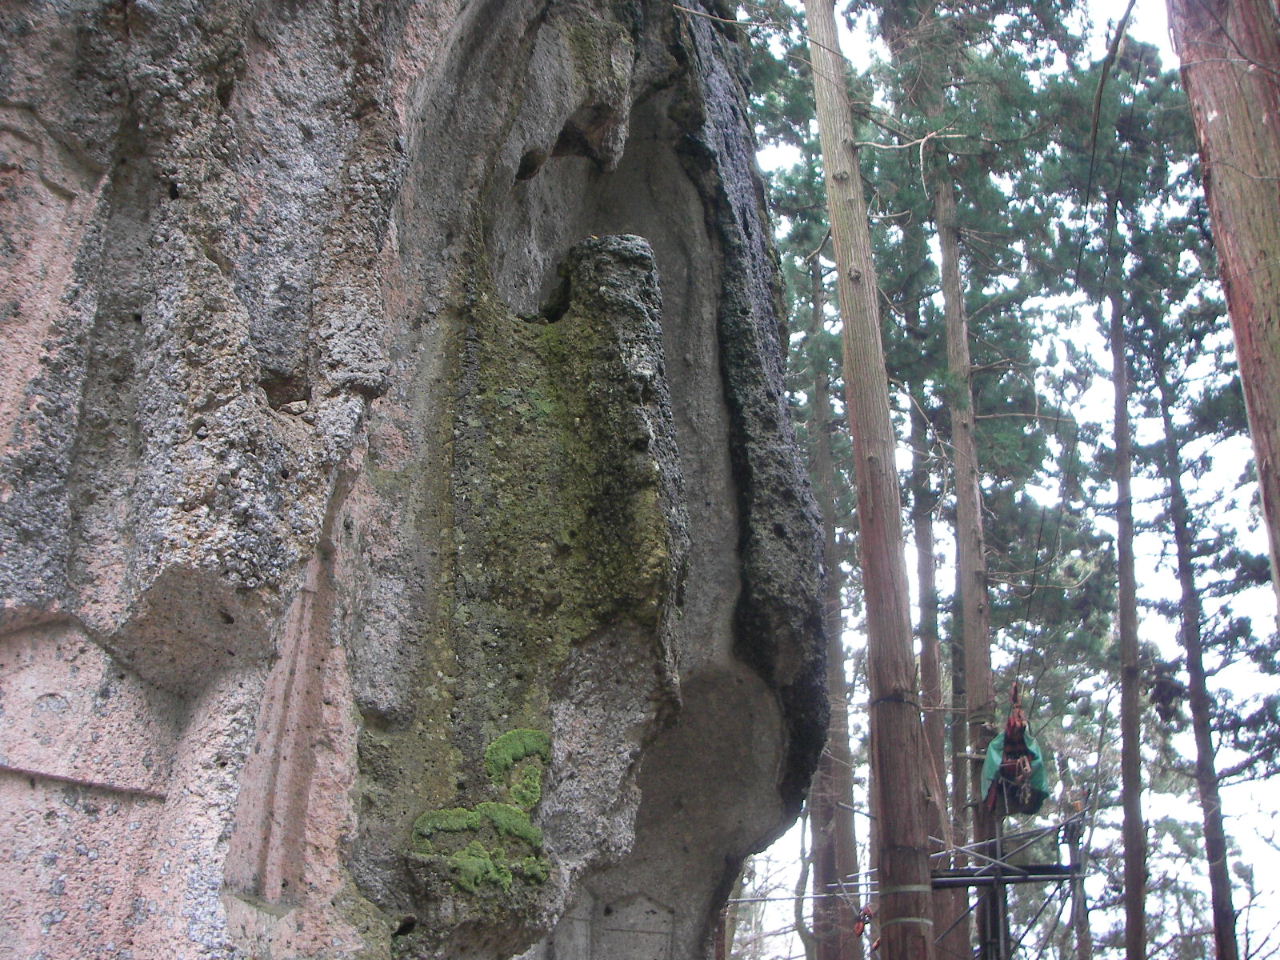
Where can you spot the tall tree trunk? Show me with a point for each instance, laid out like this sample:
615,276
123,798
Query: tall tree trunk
959,754
808,940
974,601
897,740
1134,831
835,853
950,905
902,23
971,573
1079,925
1215,837
1230,51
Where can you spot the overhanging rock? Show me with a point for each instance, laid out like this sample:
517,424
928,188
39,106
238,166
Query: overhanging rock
403,548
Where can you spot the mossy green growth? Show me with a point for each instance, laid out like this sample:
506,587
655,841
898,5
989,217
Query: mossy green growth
526,787
593,41
475,865
493,843
512,747
511,821
506,820
564,475
534,869
453,819
449,820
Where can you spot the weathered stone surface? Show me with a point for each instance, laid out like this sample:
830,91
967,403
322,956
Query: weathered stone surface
402,546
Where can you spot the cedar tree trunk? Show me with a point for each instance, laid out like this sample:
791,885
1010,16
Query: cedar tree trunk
1230,51
835,852
898,753
1215,837
1134,831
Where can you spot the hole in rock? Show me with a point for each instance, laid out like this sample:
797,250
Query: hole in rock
531,163
558,304
406,926
282,388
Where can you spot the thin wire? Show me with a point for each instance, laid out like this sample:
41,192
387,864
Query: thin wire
1057,920
1057,892
788,898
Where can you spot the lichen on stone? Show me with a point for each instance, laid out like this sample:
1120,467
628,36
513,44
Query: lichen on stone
596,43
567,526
564,476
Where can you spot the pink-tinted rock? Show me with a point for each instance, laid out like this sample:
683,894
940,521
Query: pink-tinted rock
402,544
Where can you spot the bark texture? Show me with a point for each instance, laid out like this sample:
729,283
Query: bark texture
1230,52
1191,614
835,849
950,906
899,756
1134,829
403,549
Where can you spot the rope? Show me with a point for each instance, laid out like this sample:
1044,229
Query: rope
906,888
923,921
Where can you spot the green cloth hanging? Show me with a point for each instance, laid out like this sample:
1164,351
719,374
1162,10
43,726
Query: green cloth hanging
1015,800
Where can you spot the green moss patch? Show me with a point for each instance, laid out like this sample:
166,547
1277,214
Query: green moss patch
475,865
526,787
451,820
563,485
561,520
512,822
513,746
493,843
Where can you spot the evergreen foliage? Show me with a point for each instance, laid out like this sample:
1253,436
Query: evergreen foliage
1076,182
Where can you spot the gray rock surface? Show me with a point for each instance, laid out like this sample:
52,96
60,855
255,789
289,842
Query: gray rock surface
403,550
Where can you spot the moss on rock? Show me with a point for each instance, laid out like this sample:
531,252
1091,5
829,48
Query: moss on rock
449,820
566,524
602,54
476,865
509,821
493,843
564,478
512,747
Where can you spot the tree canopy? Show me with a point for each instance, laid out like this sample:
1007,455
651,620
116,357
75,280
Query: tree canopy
1046,168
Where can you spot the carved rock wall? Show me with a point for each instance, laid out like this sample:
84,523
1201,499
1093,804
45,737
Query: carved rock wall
402,546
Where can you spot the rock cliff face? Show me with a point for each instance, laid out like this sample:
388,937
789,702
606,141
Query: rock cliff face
402,548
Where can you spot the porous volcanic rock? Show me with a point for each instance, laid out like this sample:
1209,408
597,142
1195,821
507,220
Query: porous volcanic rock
403,548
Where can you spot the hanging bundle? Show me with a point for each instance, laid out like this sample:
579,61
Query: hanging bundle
1013,776
865,916
863,924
